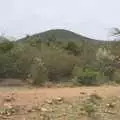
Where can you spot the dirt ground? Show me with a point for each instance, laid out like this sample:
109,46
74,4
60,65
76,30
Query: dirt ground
25,103
29,96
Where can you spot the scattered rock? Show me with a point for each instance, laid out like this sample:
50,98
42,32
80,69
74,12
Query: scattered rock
36,108
44,110
59,99
8,105
83,93
49,101
9,99
8,110
64,114
111,105
96,96
29,110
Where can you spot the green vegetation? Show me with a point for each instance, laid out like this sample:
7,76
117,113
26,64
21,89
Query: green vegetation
3,39
58,35
60,56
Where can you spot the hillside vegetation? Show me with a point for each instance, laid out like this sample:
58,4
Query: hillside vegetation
60,35
3,39
60,56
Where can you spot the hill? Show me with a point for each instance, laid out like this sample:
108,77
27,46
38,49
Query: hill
3,39
59,35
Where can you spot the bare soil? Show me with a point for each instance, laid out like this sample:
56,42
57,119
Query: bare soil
29,96
27,103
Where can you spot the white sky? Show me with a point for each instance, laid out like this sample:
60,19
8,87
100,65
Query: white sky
92,18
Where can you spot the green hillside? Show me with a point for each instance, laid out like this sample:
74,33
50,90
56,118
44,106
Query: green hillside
60,56
59,35
3,39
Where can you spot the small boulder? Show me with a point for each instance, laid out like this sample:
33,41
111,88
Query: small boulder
49,101
59,99
44,110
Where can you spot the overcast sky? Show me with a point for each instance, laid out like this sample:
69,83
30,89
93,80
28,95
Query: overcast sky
92,18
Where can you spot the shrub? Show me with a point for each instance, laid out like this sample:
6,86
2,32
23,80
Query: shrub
86,76
6,46
109,72
89,109
23,55
59,64
73,48
38,72
116,76
7,66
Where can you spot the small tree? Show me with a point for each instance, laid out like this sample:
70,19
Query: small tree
105,59
6,46
39,73
85,76
73,48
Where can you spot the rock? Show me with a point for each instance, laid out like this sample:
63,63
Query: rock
9,114
44,110
64,114
29,110
59,99
8,105
111,105
49,101
82,93
36,108
96,96
9,99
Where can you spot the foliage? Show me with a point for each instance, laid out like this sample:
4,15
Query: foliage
58,63
86,76
38,72
82,63
73,48
6,46
103,54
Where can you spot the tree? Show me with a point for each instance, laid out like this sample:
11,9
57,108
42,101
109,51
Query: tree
105,60
39,73
73,48
115,31
6,46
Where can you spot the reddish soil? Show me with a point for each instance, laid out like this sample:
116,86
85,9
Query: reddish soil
38,95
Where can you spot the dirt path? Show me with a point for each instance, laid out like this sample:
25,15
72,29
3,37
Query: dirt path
33,96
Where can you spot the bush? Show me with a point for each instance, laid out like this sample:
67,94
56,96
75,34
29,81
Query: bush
7,66
23,55
6,46
38,72
73,48
59,64
116,76
90,109
86,76
109,72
